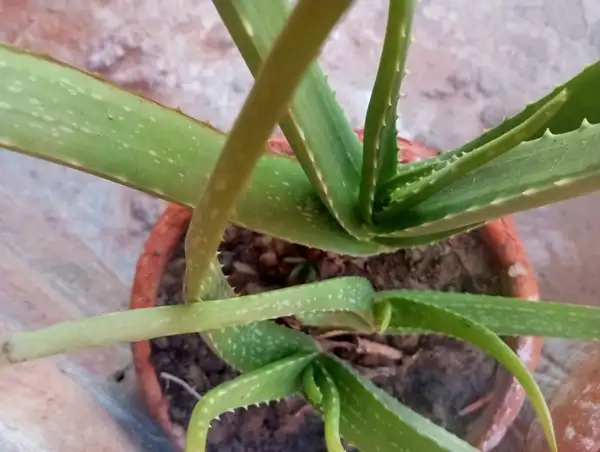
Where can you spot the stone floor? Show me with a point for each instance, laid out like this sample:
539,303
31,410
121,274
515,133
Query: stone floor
71,241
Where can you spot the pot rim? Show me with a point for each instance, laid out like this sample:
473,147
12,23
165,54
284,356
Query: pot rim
501,236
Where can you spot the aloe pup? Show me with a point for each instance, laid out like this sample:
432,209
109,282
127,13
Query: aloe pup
337,195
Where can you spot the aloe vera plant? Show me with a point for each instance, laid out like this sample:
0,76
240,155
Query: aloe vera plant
337,194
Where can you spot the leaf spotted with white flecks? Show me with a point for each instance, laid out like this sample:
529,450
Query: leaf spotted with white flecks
271,382
566,166
249,347
55,112
417,314
330,408
373,421
450,170
380,148
316,127
582,103
505,316
288,58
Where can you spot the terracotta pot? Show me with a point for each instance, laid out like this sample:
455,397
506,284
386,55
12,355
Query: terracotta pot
575,407
501,236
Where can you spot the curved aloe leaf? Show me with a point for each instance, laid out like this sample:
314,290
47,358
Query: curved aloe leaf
330,410
462,163
506,316
383,315
280,74
380,146
582,103
535,173
272,382
58,113
425,239
309,386
315,126
373,421
250,347
420,315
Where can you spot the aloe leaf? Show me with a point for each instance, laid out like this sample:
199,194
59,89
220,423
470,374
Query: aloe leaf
462,163
383,315
280,74
316,128
373,421
309,386
536,173
506,316
272,382
54,112
330,410
398,242
420,315
380,146
237,326
582,104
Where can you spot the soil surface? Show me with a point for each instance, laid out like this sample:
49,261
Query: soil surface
441,378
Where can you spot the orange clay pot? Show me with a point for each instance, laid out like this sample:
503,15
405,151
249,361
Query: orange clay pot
575,408
501,236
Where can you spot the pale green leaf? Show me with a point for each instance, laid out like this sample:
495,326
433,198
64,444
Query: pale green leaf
309,386
508,316
420,315
380,146
272,382
463,163
316,128
280,74
373,421
330,410
54,112
535,173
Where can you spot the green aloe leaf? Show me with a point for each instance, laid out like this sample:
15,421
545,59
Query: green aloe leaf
311,390
282,71
420,315
506,316
54,112
272,382
330,410
373,421
380,145
462,163
536,173
582,103
250,347
316,128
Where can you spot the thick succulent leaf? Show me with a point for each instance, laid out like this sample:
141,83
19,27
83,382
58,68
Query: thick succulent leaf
271,382
420,315
282,71
373,421
54,112
311,390
425,239
315,126
582,103
535,173
450,170
237,326
506,316
251,346
380,148
330,410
